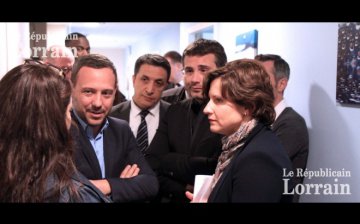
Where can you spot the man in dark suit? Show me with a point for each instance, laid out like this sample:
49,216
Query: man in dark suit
183,145
106,151
151,75
289,126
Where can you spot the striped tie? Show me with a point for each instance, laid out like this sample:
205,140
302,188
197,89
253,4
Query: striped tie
142,133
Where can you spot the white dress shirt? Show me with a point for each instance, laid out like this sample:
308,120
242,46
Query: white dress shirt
152,119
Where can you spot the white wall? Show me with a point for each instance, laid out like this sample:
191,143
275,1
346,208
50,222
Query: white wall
14,45
117,56
3,53
186,29
56,34
124,59
166,40
311,51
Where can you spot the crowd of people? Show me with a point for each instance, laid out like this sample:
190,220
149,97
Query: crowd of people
67,134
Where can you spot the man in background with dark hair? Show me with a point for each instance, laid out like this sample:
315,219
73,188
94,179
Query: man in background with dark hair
183,145
78,43
151,75
289,126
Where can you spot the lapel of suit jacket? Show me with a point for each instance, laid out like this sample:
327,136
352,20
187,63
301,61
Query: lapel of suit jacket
124,111
200,129
163,108
182,94
87,149
109,146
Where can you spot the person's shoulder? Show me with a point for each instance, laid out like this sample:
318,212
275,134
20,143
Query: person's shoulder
262,137
183,104
265,144
121,106
290,114
172,91
113,121
119,128
164,104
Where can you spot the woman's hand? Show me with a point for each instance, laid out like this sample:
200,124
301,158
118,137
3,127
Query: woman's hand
189,195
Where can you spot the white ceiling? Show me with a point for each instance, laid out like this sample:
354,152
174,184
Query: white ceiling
114,35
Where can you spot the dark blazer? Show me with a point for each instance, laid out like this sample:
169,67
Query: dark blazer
291,129
179,151
120,149
122,110
255,174
174,95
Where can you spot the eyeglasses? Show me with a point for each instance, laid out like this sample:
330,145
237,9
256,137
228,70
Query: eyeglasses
62,71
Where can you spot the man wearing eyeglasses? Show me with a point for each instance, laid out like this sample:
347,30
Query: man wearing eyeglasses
61,58
183,145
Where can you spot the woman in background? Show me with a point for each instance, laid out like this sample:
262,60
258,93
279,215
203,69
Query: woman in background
250,167
35,145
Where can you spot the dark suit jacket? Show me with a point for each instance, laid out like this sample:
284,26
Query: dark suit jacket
291,129
178,152
120,149
122,110
255,174
174,95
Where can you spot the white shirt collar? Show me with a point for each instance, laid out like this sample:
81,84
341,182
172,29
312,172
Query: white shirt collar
152,119
136,110
280,107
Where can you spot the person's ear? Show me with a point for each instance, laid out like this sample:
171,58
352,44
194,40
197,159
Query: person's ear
281,85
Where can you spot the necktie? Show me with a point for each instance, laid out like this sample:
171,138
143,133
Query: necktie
142,133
